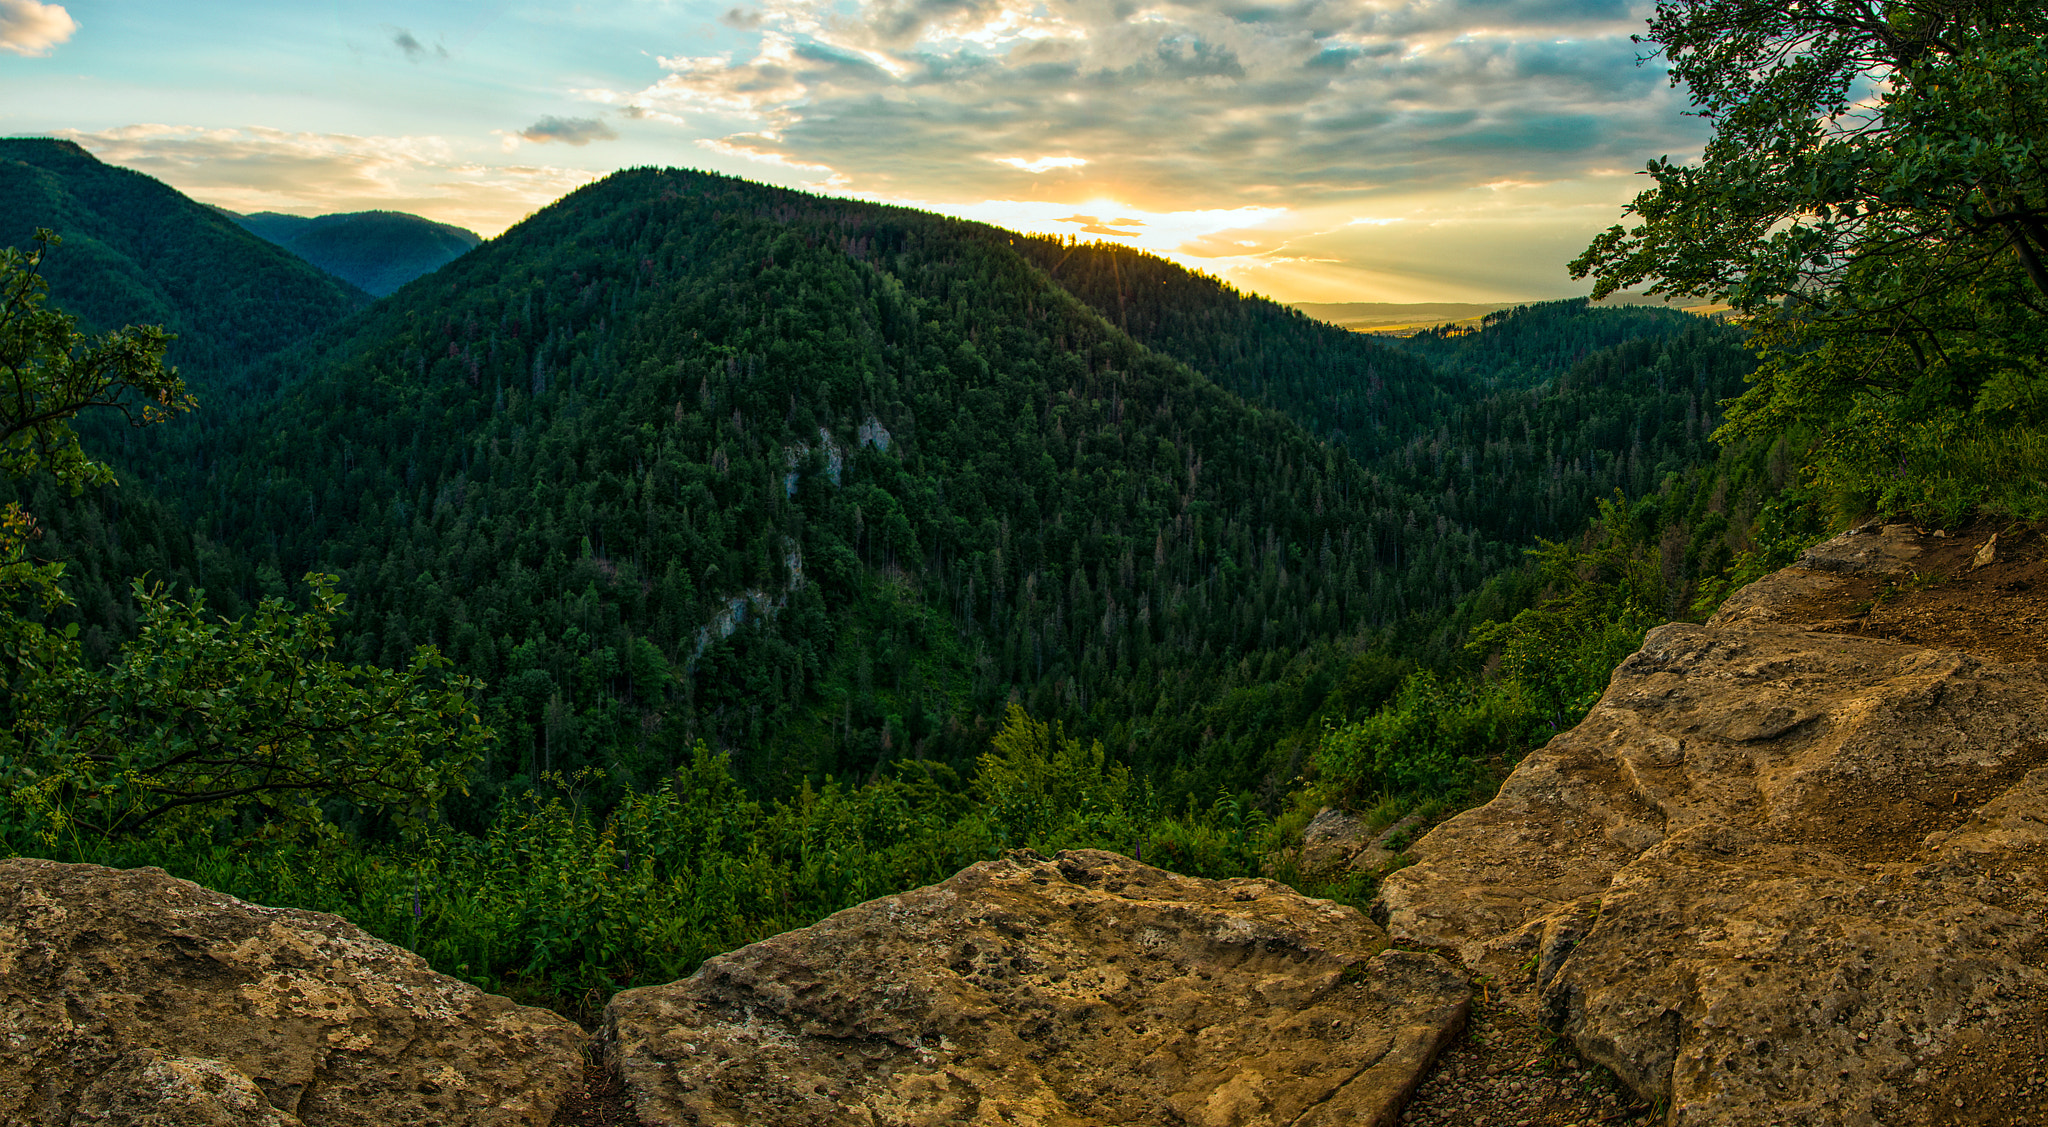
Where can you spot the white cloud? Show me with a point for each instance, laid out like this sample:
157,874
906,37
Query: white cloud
1314,100
716,84
1041,164
726,148
31,28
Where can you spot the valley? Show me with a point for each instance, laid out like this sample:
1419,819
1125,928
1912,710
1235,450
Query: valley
863,632
877,510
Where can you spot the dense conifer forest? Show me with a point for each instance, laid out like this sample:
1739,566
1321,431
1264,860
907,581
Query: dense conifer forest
1515,431
829,484
136,251
809,548
835,509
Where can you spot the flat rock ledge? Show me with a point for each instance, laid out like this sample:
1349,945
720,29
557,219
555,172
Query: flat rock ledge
1087,989
1778,875
131,997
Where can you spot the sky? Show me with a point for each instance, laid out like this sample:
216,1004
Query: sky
1319,150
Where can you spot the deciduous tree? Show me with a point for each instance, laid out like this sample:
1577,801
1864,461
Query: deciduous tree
49,372
199,718
1875,200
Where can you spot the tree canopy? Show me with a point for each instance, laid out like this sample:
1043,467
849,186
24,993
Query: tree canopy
1875,200
197,719
49,372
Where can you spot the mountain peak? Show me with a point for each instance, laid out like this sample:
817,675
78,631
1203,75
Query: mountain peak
378,251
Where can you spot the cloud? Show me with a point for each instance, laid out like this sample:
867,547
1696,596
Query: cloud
31,28
257,169
1303,101
1042,164
577,131
1162,232
1448,122
1095,225
1472,244
744,150
413,48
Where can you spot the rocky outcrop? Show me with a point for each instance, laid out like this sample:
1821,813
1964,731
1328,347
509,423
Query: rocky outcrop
1086,989
1337,840
131,997
1331,839
1779,875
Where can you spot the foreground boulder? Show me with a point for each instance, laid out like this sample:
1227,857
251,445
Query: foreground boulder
1087,989
1779,875
132,997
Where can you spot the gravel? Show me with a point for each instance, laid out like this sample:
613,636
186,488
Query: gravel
1506,1070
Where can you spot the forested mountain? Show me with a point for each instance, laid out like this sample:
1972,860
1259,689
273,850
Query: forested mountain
377,251
828,483
823,481
1358,391
1525,345
1512,432
775,528
1574,427
136,251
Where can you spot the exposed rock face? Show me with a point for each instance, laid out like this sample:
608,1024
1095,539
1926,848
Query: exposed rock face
1088,989
131,997
1337,839
145,1089
1331,839
1778,875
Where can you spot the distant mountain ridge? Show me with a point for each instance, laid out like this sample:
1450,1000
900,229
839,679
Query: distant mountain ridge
1403,318
1513,432
377,251
1368,316
136,251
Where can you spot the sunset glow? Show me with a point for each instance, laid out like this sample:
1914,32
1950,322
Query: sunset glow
1391,150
